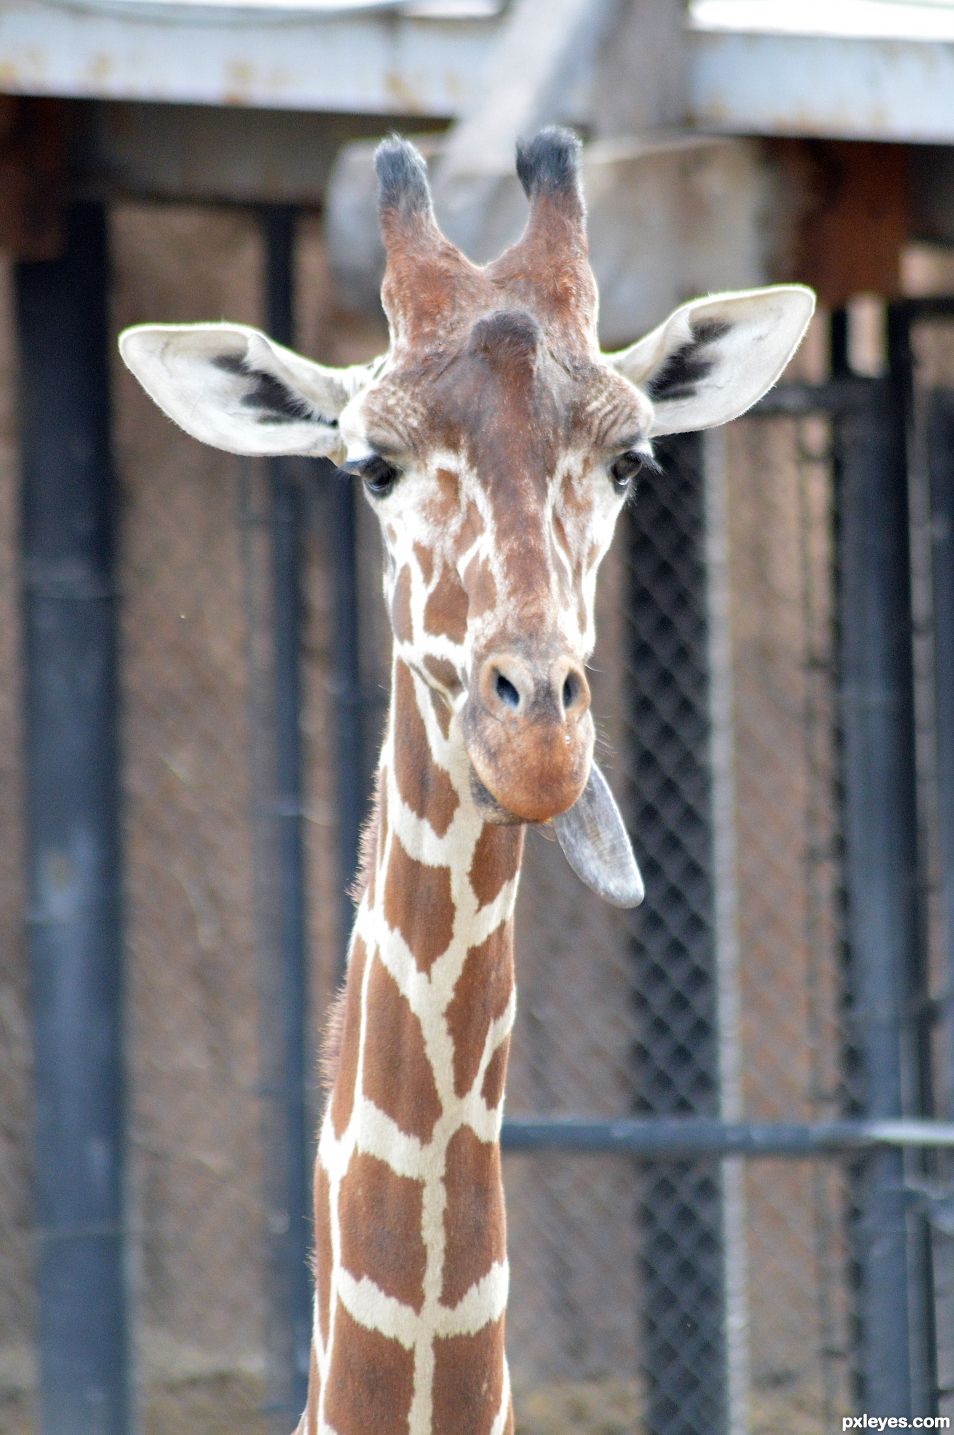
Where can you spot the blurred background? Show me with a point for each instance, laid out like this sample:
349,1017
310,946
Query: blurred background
729,1122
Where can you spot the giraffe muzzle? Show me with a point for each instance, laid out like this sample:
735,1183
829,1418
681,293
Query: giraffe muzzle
529,732
513,688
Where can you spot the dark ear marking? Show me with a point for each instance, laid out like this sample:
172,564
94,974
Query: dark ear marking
688,365
402,178
275,402
549,163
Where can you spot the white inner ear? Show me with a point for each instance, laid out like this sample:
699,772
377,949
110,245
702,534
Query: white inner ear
714,358
230,386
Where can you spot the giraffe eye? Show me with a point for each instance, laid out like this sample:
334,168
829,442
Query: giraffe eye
624,469
379,476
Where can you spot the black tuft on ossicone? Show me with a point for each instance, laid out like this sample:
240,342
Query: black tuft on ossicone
549,162
402,177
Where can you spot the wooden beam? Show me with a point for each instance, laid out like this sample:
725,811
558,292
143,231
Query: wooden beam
32,150
853,218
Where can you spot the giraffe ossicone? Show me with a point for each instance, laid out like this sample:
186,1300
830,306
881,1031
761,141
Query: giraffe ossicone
497,445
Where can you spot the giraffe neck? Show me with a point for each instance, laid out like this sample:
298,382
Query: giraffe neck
410,1230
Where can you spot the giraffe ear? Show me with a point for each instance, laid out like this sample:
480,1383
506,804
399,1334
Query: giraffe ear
230,386
714,358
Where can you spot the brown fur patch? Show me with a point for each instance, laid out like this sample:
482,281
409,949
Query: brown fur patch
401,618
346,1066
418,904
559,533
495,862
323,1253
495,1077
443,504
480,586
380,1215
442,670
441,711
445,612
472,526
480,997
474,1222
468,1381
425,561
425,787
370,1381
397,1074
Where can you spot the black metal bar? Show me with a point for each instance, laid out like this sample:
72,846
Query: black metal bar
917,1062
842,394
940,458
292,1066
676,1056
878,778
839,345
341,497
695,1136
73,845
927,306
940,450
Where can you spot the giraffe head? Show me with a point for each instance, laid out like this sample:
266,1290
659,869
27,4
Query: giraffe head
497,445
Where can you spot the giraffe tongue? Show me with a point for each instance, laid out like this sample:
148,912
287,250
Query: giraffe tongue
595,844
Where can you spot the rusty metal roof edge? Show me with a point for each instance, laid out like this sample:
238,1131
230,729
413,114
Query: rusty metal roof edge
389,61
837,86
364,62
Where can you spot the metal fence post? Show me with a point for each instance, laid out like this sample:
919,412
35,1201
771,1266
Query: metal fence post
291,1065
939,447
674,948
340,497
73,844
878,777
940,450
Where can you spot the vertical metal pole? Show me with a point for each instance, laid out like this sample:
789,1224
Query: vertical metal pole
290,1235
876,703
940,452
940,457
677,1060
73,844
342,497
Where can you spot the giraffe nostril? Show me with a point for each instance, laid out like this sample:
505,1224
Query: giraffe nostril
506,691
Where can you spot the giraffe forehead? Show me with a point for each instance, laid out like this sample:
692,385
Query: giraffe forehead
505,383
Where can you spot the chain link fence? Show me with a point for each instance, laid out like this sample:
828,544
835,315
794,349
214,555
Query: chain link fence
697,1295
663,1294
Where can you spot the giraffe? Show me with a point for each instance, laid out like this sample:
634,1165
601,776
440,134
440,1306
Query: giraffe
497,445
